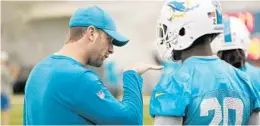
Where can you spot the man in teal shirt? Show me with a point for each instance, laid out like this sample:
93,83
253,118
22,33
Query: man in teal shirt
61,89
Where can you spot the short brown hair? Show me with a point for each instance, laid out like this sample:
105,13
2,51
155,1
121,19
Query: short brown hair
75,33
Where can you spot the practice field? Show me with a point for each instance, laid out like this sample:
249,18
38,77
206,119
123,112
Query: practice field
17,111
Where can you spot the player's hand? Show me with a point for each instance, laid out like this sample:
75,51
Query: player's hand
142,68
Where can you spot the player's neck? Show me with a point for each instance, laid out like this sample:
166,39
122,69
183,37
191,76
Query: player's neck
199,50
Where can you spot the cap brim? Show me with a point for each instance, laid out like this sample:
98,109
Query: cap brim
119,39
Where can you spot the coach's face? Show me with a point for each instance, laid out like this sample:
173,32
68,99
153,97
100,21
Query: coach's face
102,47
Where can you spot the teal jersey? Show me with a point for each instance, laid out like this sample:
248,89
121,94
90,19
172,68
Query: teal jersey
254,74
61,91
205,90
170,67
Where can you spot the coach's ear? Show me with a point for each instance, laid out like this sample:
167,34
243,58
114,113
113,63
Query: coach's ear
92,33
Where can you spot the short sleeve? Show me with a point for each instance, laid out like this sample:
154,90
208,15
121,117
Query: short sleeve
171,95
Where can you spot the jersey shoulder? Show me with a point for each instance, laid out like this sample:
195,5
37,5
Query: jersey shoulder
171,94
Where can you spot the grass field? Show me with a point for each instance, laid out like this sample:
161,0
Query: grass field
17,111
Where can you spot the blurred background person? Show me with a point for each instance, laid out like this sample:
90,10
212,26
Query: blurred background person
253,56
9,73
112,76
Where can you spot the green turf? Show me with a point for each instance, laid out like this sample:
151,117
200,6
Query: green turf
17,112
147,118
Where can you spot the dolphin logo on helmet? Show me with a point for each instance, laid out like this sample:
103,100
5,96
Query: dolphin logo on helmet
181,7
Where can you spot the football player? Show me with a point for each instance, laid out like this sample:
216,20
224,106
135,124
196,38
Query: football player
232,47
204,90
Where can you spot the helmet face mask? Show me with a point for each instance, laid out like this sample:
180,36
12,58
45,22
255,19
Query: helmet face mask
183,21
166,39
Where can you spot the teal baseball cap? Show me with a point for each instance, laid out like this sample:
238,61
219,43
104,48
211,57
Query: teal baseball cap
99,18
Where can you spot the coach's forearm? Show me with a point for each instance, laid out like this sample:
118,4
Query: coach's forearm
132,96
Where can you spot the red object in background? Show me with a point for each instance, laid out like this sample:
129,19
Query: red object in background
254,49
246,17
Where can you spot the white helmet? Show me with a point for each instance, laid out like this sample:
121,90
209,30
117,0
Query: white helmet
183,21
236,36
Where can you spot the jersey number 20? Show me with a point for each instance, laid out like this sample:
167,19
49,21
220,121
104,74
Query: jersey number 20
228,103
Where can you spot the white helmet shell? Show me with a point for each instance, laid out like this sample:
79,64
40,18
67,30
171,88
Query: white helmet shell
183,21
236,36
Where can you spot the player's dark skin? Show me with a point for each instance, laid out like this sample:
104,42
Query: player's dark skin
201,47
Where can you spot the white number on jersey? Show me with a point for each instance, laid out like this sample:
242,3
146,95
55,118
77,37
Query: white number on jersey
228,103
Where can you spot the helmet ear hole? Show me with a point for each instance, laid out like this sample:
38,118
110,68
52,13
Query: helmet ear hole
182,31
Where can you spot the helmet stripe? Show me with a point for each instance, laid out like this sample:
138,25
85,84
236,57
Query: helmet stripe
227,31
